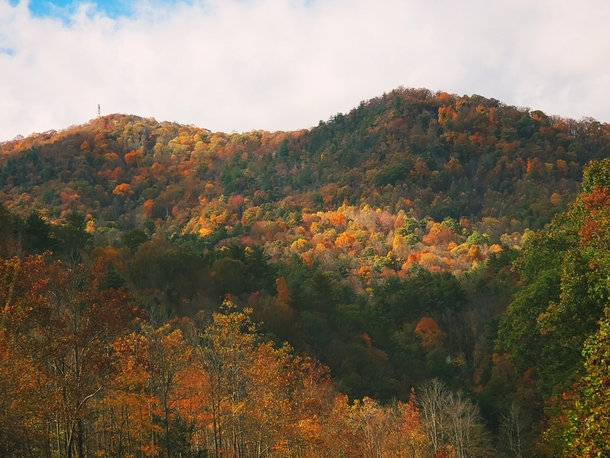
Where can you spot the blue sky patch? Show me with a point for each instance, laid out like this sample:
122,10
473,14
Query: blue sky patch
63,8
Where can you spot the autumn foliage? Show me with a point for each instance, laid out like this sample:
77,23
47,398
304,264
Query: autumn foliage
95,378
153,272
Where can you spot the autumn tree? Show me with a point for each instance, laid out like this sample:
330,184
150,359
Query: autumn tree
430,334
60,324
224,354
24,412
73,342
588,403
168,356
126,423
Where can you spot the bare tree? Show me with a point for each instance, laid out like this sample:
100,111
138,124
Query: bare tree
452,422
516,432
432,398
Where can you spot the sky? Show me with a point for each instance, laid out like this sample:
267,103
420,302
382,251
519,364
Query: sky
240,65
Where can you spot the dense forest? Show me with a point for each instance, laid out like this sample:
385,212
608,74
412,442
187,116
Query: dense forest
425,276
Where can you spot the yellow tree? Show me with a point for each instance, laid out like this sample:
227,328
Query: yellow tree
227,346
125,426
168,357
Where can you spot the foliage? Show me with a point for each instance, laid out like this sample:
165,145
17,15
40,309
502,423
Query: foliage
588,413
379,243
553,325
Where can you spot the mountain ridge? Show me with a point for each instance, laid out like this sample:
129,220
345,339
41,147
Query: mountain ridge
394,244
406,139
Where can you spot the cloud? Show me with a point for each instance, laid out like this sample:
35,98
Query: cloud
285,64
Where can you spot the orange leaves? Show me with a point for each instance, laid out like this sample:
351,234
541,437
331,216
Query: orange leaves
431,261
113,174
148,207
134,158
68,197
445,114
345,240
124,190
589,230
413,258
438,235
338,220
260,392
139,181
23,284
368,429
65,323
236,201
445,97
307,259
595,224
430,334
222,381
597,200
421,168
112,157
556,199
454,167
536,167
157,170
474,253
562,167
283,295
479,140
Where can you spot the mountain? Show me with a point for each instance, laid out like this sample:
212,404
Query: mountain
436,155
382,242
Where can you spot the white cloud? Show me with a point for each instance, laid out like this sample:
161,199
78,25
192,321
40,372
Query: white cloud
285,64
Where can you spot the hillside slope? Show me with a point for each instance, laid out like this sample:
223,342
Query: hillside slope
435,154
379,242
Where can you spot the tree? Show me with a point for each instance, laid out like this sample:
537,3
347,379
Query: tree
565,290
73,239
516,432
73,343
430,334
57,329
133,239
23,408
168,355
124,190
588,408
9,245
38,234
226,348
452,423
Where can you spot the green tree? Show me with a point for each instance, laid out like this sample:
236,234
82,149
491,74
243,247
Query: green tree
589,410
73,239
134,238
557,313
38,234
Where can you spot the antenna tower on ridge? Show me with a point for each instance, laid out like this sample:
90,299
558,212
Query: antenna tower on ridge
99,110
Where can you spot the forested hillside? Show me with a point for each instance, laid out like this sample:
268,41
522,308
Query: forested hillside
169,291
